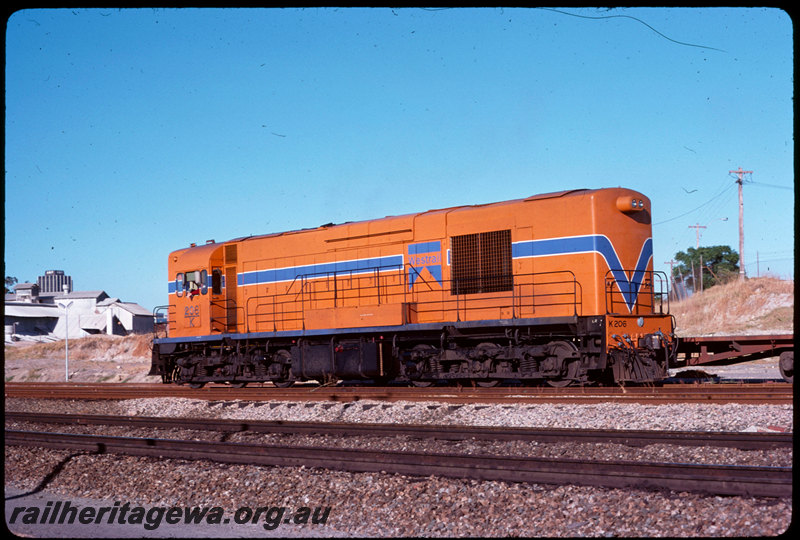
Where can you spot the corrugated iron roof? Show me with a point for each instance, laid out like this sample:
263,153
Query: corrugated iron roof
134,308
84,294
94,322
23,309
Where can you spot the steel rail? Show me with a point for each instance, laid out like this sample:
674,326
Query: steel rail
741,440
715,479
775,393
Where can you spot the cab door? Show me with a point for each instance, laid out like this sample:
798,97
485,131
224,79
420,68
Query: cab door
218,311
231,288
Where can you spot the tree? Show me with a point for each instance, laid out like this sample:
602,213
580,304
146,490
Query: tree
721,264
10,281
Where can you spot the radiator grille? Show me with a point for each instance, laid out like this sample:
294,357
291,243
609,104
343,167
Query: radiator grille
230,253
481,262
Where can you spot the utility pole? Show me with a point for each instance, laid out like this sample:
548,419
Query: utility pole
740,180
697,232
701,272
672,279
697,228
65,306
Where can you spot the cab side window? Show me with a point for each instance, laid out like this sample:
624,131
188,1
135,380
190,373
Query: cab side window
203,281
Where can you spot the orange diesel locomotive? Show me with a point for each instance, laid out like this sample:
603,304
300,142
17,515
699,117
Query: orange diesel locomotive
556,288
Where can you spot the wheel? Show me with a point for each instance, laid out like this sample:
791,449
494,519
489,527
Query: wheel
559,383
563,350
196,385
284,359
489,350
237,384
421,349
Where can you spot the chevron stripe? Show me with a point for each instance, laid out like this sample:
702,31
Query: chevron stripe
629,287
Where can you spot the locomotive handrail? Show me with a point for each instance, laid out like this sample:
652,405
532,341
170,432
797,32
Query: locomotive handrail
300,296
225,304
170,310
218,320
349,274
546,290
644,287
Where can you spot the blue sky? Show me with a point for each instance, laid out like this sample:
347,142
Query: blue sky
131,133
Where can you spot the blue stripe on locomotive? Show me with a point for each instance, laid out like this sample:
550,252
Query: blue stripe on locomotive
291,273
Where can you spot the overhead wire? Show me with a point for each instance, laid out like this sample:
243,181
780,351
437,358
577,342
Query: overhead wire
715,210
715,197
770,185
616,16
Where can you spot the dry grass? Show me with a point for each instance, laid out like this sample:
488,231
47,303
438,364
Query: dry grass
753,306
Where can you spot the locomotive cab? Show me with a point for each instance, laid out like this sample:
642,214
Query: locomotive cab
196,307
196,291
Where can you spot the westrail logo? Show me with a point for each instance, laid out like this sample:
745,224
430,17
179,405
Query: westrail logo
424,256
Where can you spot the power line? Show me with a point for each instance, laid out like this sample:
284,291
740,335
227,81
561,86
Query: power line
726,189
777,252
717,208
774,259
770,185
637,20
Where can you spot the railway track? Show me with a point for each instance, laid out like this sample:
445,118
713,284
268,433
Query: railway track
760,393
715,479
746,441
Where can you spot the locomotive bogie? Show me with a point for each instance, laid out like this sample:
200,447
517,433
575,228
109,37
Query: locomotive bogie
556,287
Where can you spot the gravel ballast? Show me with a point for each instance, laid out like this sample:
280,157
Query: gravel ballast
375,504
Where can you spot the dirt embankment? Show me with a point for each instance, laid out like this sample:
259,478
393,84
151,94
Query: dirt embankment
750,307
755,306
91,359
